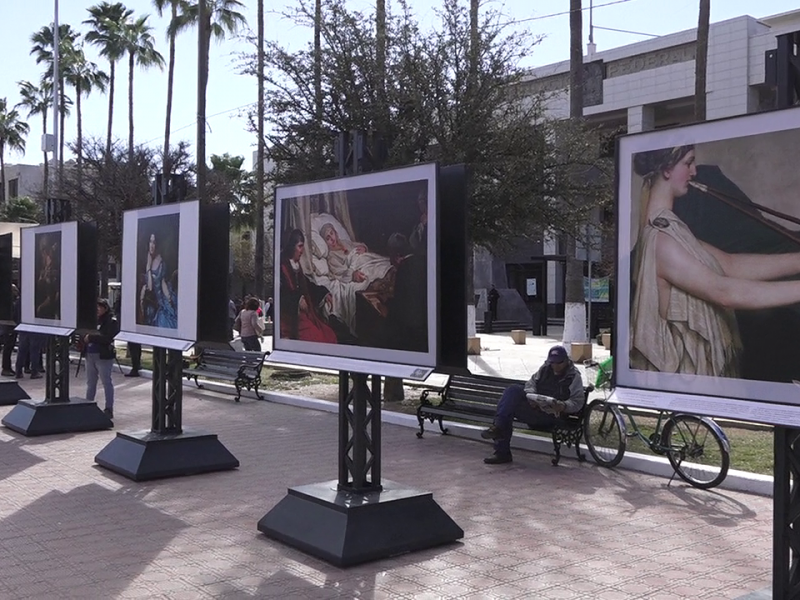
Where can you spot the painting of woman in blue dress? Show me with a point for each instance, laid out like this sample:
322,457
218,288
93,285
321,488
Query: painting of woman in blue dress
158,298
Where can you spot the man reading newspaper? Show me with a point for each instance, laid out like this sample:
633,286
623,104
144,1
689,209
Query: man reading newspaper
556,388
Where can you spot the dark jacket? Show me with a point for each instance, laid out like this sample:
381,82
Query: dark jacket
568,388
107,329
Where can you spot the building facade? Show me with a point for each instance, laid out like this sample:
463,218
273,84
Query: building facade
23,180
638,87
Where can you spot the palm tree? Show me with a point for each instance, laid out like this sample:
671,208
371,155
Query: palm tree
42,48
171,34
108,22
701,61
37,100
12,136
84,76
220,18
140,46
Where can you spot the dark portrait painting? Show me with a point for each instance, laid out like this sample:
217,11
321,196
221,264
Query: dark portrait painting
47,271
157,287
709,246
354,271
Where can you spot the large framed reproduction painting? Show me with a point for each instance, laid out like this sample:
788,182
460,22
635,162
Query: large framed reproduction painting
160,269
58,278
356,272
708,269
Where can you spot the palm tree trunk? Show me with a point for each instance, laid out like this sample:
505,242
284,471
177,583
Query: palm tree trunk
62,118
574,302
79,159
130,108
259,258
111,80
166,166
203,42
46,184
2,174
701,61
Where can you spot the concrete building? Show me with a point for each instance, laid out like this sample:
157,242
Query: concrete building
638,87
23,180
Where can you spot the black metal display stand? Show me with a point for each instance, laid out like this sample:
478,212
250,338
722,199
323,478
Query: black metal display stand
57,413
166,449
358,518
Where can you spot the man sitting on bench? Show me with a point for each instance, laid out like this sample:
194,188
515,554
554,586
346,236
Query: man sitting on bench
557,387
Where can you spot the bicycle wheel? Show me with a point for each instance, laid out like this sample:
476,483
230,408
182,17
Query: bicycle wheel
696,451
603,429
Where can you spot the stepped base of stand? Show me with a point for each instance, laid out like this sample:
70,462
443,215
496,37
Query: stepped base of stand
34,418
144,455
11,392
346,528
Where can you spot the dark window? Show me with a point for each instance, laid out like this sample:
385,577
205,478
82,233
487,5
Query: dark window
13,188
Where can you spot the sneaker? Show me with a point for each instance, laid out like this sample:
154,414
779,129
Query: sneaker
108,412
493,433
498,458
19,376
132,374
36,376
7,373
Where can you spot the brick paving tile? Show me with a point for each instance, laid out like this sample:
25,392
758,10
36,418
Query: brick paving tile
71,529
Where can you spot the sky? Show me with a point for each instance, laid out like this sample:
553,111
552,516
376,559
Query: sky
230,93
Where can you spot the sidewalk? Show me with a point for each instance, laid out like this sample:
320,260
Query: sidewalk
69,529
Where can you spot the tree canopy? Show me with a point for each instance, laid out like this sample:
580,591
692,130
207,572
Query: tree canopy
523,164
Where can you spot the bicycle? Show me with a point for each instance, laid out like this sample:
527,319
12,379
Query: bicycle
696,447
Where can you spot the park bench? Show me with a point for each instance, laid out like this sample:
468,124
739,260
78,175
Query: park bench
243,369
475,398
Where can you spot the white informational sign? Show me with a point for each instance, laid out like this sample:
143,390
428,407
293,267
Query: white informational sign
530,287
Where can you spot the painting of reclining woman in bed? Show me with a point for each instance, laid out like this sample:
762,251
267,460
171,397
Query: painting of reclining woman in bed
353,267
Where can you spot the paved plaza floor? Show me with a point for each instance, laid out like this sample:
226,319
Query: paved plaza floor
70,529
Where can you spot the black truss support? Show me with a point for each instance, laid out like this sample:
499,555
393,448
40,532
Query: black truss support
167,391
57,369
786,515
359,433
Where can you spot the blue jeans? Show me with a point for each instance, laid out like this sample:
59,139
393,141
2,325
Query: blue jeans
99,366
514,404
29,350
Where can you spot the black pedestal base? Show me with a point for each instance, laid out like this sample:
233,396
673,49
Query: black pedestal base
11,393
346,529
144,455
41,418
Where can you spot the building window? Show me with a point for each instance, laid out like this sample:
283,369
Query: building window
13,188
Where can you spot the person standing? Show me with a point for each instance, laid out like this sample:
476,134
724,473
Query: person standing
231,318
135,352
249,325
269,310
10,337
100,355
494,298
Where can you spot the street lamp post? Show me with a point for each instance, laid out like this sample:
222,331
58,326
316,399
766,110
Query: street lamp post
56,48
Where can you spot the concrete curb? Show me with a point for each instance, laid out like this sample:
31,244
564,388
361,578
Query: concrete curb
737,481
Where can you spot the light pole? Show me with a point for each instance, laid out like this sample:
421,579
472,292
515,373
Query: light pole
56,48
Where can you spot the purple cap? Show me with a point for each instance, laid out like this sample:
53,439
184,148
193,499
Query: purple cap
557,354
